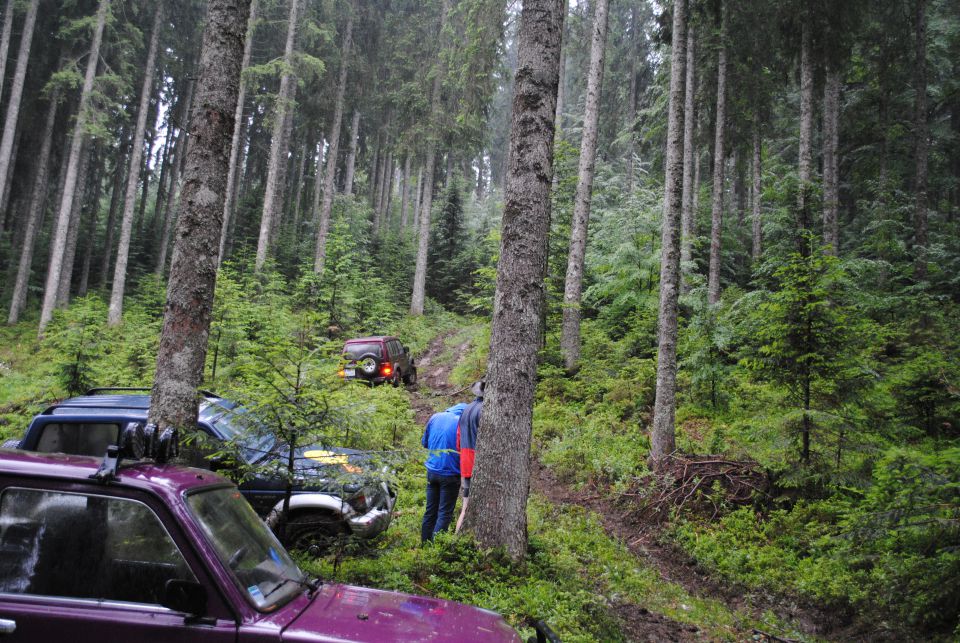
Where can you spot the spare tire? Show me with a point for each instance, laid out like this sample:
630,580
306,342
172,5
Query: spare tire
367,364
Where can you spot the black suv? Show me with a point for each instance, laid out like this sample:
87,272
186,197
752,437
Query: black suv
342,491
377,360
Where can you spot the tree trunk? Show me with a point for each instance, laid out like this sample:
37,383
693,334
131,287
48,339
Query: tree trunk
273,193
5,38
388,192
235,147
418,297
16,93
115,313
405,192
831,179
662,435
60,229
93,218
193,271
320,251
34,214
804,170
352,154
374,168
417,196
573,286
171,209
119,164
757,249
165,154
317,184
298,186
689,158
632,97
921,144
73,232
496,513
716,210
277,220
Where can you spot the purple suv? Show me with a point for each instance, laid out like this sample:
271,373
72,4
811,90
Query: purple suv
169,553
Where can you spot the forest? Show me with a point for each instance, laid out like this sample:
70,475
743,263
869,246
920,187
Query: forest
706,255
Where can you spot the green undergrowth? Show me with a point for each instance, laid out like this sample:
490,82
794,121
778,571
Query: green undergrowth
573,577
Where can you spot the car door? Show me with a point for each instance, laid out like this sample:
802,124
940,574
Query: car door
84,566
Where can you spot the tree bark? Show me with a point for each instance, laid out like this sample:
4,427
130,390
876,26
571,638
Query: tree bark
73,232
171,209
632,97
921,145
831,179
418,297
662,435
235,147
273,193
5,38
298,186
34,214
62,225
320,251
757,249
16,93
689,158
805,163
317,183
352,154
496,513
93,218
716,210
193,271
417,197
115,312
573,286
115,192
405,192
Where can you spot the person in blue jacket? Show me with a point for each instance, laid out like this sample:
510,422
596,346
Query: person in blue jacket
443,471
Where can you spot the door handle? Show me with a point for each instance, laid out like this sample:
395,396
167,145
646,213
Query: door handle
7,626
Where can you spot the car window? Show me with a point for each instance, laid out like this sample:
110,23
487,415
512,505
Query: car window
359,349
238,424
85,546
78,438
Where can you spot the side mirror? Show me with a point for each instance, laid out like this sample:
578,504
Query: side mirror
185,596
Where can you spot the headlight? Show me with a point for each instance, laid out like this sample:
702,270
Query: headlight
363,499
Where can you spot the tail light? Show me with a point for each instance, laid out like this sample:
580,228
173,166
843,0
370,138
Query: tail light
386,370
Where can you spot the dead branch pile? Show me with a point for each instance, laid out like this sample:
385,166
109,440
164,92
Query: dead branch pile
702,484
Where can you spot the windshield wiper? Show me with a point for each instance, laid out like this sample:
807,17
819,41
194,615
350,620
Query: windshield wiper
303,581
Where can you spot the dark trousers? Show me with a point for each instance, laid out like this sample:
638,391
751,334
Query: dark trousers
441,499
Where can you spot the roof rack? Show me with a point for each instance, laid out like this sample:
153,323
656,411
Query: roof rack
100,390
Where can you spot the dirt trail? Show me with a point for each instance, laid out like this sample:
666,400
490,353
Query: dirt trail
434,392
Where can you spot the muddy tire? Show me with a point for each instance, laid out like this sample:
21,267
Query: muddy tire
313,532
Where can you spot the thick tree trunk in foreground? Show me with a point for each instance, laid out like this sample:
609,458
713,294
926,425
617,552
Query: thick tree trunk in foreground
423,240
716,208
689,121
34,214
193,271
831,170
115,313
497,513
921,145
273,193
757,249
60,229
662,435
320,251
235,147
573,286
16,93
352,154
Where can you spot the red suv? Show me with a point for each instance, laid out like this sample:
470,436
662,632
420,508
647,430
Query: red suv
378,360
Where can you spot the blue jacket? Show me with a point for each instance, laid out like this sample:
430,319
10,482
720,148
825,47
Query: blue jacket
440,437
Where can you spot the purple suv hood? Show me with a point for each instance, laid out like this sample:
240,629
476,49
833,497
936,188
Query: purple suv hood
347,613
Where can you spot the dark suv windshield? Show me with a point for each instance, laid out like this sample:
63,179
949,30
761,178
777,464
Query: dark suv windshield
358,350
243,428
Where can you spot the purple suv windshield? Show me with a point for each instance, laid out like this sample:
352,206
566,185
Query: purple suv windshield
259,564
